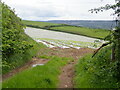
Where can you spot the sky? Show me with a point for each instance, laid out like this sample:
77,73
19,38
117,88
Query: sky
43,10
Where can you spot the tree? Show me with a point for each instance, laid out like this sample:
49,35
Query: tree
12,33
114,37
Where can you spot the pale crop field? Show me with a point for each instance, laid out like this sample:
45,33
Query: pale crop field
51,43
62,40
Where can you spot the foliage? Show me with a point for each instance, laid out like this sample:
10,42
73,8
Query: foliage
45,76
12,30
18,59
114,38
97,72
17,47
115,7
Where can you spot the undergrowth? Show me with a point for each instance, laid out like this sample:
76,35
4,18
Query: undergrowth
19,59
97,72
17,47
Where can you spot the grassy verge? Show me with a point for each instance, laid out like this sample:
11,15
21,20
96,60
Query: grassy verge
19,59
95,33
97,72
45,76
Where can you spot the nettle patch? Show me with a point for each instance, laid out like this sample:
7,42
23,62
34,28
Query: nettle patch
51,43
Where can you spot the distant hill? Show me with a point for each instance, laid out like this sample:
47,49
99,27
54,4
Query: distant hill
87,23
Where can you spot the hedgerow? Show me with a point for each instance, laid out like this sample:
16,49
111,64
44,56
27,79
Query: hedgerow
13,36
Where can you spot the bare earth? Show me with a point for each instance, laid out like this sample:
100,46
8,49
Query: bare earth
68,72
66,77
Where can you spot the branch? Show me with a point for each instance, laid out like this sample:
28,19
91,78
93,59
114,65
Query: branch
105,44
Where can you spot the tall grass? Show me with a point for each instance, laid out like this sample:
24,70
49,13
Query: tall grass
45,76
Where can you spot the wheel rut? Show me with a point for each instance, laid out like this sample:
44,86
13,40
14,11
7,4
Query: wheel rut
66,77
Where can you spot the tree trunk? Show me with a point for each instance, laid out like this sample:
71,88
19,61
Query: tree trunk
113,54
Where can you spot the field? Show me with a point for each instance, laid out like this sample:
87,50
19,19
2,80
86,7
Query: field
51,43
45,58
39,24
96,33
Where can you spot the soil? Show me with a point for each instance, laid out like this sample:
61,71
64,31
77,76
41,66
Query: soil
66,77
68,72
65,52
29,64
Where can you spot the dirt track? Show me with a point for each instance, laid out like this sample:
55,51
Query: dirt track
25,66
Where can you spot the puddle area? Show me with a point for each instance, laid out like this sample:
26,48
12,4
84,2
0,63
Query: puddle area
37,65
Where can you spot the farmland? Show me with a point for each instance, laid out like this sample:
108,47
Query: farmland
95,33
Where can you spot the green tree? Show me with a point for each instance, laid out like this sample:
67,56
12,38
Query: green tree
114,37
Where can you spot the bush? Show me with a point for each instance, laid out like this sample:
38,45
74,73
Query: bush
97,72
12,30
17,47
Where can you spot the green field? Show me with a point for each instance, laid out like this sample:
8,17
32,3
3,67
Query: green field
39,24
96,33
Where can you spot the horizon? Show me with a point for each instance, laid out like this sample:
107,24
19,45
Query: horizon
69,20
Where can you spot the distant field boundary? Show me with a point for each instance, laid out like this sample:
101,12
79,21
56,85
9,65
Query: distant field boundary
46,28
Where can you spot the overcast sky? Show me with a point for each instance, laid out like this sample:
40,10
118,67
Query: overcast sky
59,9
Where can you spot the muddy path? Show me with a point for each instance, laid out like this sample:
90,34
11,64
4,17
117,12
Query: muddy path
67,72
27,65
66,76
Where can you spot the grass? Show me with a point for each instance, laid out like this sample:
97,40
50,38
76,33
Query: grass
95,33
19,59
45,76
97,72
39,24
